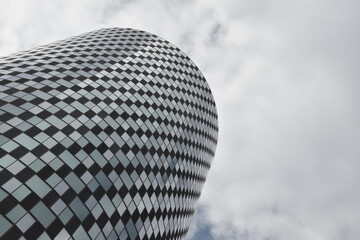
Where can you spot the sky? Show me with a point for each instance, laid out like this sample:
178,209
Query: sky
285,77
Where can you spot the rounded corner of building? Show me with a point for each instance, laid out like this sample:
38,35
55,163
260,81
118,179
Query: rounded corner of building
104,130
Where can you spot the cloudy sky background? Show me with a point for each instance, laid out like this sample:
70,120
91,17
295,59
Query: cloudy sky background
285,76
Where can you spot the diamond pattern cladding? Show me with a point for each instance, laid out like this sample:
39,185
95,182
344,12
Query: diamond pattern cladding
107,135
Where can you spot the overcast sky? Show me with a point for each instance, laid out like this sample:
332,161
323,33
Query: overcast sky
285,76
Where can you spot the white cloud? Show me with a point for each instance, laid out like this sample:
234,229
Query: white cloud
286,166
285,78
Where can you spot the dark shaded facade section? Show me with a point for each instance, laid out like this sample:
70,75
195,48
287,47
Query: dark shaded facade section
108,135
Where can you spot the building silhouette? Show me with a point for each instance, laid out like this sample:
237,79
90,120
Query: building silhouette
107,135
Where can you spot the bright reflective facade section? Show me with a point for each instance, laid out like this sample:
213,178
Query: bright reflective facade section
107,135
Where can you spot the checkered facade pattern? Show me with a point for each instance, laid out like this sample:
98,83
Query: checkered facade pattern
107,135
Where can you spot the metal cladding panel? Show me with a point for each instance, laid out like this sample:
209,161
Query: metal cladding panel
107,135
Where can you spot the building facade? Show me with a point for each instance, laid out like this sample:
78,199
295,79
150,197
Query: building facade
107,135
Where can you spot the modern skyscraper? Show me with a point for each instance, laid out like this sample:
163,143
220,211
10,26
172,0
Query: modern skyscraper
107,135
